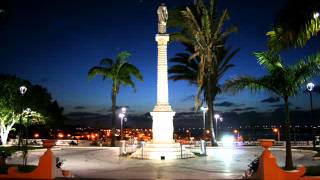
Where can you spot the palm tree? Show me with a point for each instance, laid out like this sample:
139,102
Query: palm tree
297,22
203,30
120,72
188,70
281,80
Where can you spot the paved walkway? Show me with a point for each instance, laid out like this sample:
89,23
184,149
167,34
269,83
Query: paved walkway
221,163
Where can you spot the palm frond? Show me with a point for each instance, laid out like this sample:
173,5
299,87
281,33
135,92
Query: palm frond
106,62
99,71
270,60
132,70
247,82
305,69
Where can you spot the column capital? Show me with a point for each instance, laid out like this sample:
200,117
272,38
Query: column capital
162,39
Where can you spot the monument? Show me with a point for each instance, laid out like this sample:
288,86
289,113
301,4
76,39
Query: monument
162,145
162,115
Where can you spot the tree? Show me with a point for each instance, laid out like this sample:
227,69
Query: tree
8,118
188,70
281,80
203,30
120,71
297,22
12,103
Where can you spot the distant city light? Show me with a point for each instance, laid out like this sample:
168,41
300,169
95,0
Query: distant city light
60,135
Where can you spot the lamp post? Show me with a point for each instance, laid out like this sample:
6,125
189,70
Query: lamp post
310,87
237,133
216,117
121,116
276,130
23,90
204,110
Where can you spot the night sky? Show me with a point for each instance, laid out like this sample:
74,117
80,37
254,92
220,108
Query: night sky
55,42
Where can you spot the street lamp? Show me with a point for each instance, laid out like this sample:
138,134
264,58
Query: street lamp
237,132
216,117
310,87
276,130
204,110
23,90
316,15
121,116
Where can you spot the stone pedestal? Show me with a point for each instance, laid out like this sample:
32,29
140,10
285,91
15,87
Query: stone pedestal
162,127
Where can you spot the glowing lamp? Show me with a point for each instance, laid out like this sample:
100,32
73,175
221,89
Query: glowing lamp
310,86
36,135
235,131
23,90
123,110
60,135
121,115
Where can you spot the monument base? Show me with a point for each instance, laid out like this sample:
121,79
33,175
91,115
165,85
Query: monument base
162,152
162,127
162,146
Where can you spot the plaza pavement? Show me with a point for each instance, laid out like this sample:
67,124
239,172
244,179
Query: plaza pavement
221,163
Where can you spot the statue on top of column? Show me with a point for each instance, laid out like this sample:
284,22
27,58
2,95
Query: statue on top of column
162,18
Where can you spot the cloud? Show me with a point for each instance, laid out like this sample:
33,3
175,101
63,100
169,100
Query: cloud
280,105
243,109
225,104
90,119
118,108
270,100
79,107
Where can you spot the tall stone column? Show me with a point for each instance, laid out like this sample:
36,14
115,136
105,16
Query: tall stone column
162,77
162,115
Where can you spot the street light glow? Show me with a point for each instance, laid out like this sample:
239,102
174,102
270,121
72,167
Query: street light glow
204,108
121,115
216,116
316,15
310,86
23,90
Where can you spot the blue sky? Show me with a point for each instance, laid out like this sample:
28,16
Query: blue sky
55,42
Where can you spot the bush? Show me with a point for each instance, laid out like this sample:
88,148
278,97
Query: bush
312,171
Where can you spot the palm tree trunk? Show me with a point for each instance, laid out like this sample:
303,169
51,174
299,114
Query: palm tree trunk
210,112
113,124
289,162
